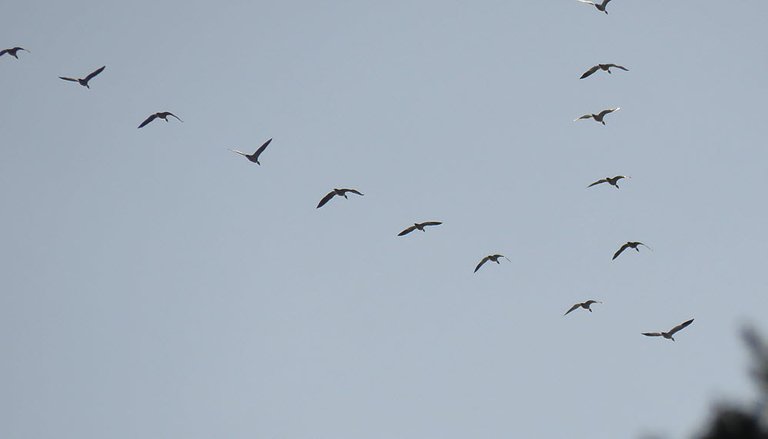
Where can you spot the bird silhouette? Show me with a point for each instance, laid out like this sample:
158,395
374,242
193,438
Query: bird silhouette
335,192
613,181
255,156
599,116
586,305
419,226
493,258
162,115
600,6
13,51
84,81
668,335
630,244
604,67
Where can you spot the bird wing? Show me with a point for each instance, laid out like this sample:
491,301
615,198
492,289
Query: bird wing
610,110
68,79
261,149
589,72
325,199
407,231
431,223
572,308
4,51
482,261
605,3
148,120
94,73
618,67
354,191
652,334
623,247
586,1
234,150
640,243
679,327
586,116
177,117
598,182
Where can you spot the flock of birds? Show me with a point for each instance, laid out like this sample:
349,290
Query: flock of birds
597,117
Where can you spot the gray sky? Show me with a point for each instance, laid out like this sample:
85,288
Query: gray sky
157,285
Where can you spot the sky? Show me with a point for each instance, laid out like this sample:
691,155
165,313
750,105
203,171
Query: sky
157,285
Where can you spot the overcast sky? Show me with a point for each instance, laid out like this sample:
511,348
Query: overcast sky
157,285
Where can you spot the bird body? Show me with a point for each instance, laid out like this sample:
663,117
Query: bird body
84,81
613,181
335,192
492,258
586,305
599,116
255,156
419,226
669,334
600,6
630,244
162,115
14,51
603,67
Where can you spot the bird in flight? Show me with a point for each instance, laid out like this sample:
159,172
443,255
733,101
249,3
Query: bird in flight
333,193
255,156
84,81
631,244
162,115
13,51
586,305
613,181
604,67
668,335
418,226
600,6
493,258
599,116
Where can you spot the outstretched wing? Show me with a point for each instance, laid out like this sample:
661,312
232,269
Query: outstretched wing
431,223
482,261
177,117
572,308
608,111
68,79
325,199
94,73
586,116
261,149
605,3
148,120
640,243
589,72
623,247
618,67
4,51
354,191
407,231
236,151
679,327
586,1
652,334
598,182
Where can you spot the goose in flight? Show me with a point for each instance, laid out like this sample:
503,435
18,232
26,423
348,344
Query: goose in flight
604,67
84,81
613,181
420,226
493,258
599,116
333,193
13,51
162,115
586,305
631,244
600,6
668,335
255,156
